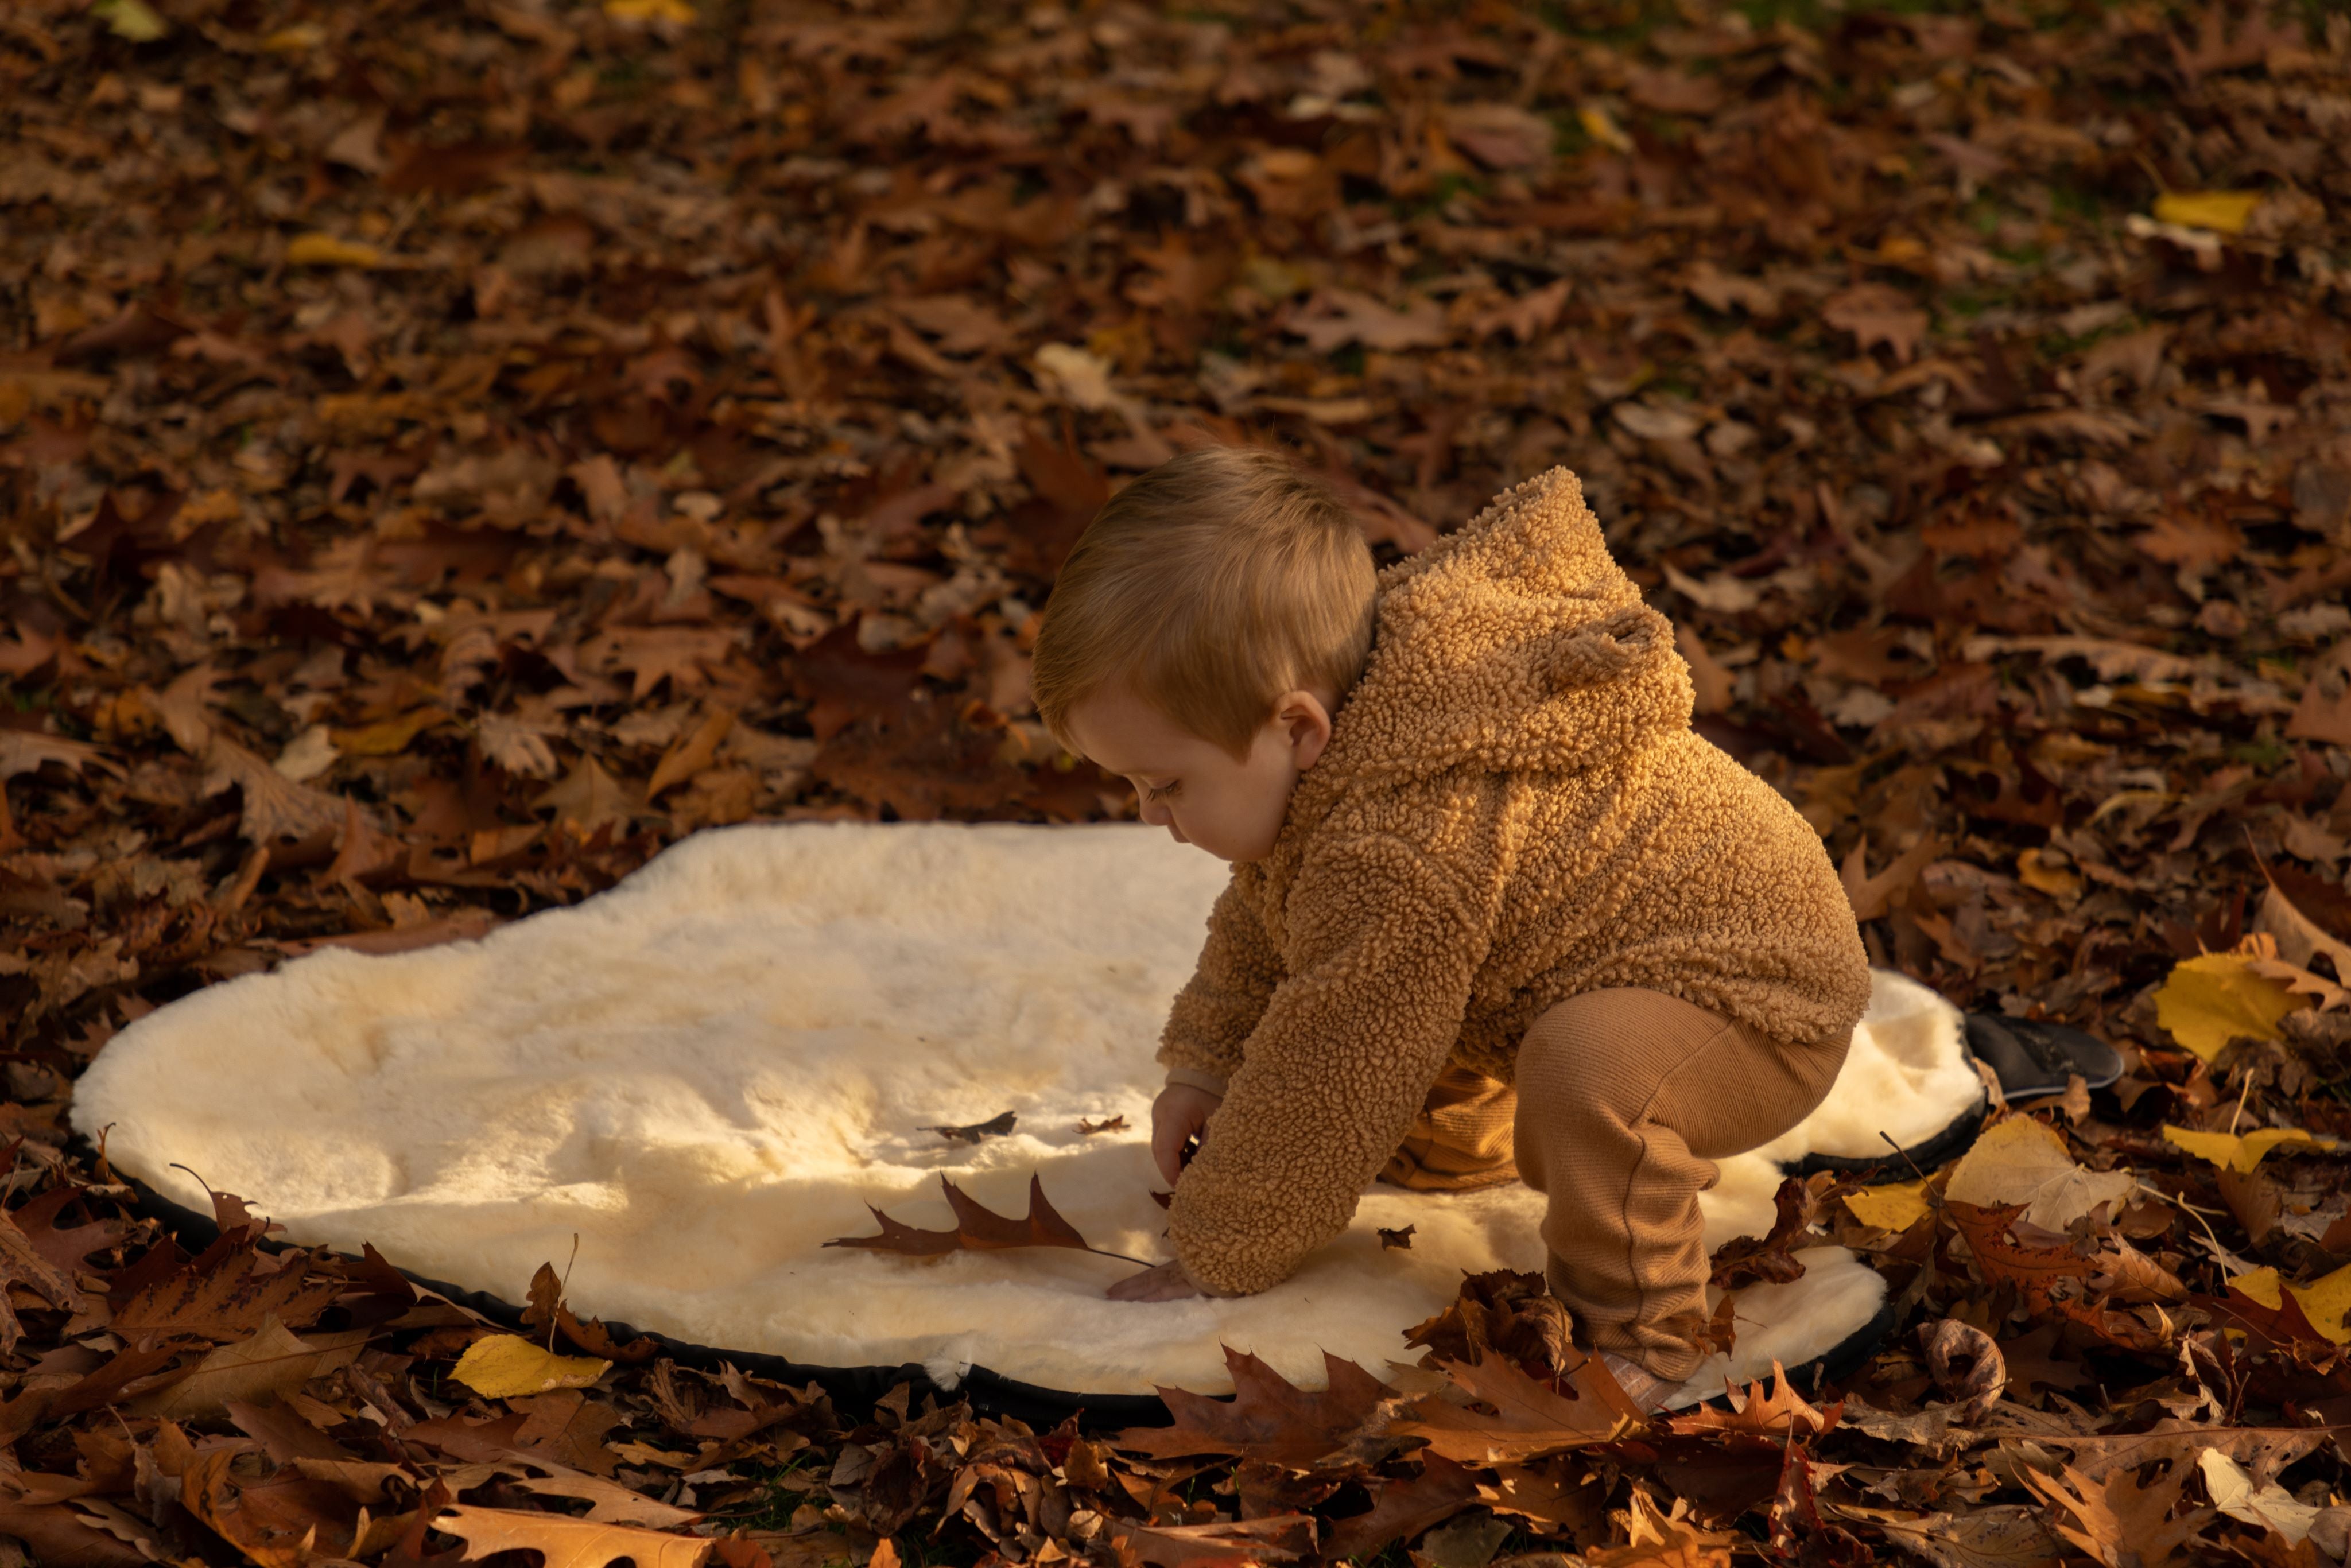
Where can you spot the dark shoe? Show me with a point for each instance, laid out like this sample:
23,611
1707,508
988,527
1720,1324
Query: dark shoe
2031,1059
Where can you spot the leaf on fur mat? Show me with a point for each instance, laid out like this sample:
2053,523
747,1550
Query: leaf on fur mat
978,1229
1770,1258
1510,1310
2023,1161
1778,1414
1269,1418
994,1127
1284,1538
565,1542
502,1366
1529,1418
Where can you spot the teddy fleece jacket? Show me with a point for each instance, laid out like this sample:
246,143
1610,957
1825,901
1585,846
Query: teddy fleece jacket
1512,809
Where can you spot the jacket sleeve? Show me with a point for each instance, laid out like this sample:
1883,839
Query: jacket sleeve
1217,1008
1383,949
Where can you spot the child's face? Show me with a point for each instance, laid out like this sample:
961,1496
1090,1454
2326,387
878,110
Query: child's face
1230,806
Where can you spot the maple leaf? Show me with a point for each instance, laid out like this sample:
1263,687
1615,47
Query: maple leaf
978,1230
1269,1418
2119,1522
563,1541
1529,1418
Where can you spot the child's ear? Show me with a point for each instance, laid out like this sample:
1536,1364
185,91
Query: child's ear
1305,719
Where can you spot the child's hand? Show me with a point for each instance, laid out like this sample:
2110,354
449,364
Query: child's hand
1167,1283
1179,1116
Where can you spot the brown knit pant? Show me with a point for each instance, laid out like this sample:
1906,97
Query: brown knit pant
1625,1100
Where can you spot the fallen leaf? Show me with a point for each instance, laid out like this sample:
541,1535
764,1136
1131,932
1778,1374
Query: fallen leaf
272,1362
588,797
2243,1151
562,1542
329,250
1269,1418
996,1127
502,1366
978,1229
2118,1520
1897,1206
2023,1161
2222,212
1529,1418
2215,998
2268,1507
1282,1539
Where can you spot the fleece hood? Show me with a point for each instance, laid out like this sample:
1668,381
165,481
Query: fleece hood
1514,644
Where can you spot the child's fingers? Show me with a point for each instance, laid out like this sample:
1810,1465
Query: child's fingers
1167,1139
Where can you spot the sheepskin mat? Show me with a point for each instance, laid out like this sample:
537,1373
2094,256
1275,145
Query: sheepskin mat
710,1072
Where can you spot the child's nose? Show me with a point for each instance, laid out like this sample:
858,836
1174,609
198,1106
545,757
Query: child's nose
1155,813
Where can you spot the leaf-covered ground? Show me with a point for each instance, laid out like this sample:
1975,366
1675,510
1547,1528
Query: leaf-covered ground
451,450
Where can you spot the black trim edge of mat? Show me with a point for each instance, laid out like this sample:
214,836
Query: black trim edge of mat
1949,1143
853,1388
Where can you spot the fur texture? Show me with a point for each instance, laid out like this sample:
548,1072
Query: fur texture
1512,809
711,1070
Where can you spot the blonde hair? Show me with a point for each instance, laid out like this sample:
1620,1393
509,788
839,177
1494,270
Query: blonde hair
1212,585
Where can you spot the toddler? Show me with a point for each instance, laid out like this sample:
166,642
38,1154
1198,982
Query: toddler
1496,911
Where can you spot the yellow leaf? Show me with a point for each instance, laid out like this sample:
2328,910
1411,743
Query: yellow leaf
677,11
326,250
1896,1207
2042,876
2222,212
300,38
132,19
2240,1152
2260,1287
390,737
2212,999
506,1366
1602,129
2326,1301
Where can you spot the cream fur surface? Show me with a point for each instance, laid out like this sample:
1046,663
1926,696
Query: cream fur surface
712,1069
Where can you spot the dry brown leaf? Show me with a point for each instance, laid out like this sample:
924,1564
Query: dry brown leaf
565,1542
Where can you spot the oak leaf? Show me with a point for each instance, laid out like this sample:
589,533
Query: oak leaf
1269,1418
2117,1521
977,1228
1529,1418
1780,1413
270,1363
1402,1508
227,1292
